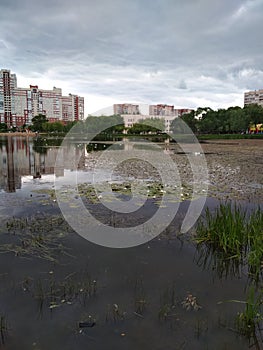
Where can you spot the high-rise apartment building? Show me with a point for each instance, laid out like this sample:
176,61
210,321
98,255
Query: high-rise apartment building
161,110
126,108
8,83
72,108
19,105
255,96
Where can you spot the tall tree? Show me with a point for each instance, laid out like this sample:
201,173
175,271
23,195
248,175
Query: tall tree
38,122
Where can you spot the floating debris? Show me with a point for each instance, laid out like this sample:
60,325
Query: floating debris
190,303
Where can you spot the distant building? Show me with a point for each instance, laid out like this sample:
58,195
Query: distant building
19,105
8,83
131,119
255,96
126,108
72,108
181,111
167,110
162,110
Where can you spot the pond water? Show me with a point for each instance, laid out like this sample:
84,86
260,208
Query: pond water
60,291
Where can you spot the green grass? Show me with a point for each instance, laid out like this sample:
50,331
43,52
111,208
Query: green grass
224,229
234,234
249,321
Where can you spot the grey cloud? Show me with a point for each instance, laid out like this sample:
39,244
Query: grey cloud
182,85
136,49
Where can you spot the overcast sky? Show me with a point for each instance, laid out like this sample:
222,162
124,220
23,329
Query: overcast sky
188,53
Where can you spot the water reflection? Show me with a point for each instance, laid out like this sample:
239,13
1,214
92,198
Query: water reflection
25,156
21,156
216,261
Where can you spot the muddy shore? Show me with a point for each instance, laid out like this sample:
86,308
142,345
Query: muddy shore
235,168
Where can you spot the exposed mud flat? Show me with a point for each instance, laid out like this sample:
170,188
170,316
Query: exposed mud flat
235,168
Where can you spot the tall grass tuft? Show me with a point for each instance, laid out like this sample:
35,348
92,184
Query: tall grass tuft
255,243
235,234
225,229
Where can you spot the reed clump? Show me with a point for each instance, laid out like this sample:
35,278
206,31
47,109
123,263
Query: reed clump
236,234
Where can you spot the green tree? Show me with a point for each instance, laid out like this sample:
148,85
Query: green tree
38,122
238,120
154,124
254,113
53,127
184,125
148,125
3,127
104,124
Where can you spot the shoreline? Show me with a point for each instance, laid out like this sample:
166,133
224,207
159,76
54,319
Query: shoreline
17,133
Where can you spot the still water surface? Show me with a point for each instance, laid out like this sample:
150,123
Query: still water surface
59,291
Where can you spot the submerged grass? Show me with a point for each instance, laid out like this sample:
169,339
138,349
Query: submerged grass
168,303
38,236
3,329
52,294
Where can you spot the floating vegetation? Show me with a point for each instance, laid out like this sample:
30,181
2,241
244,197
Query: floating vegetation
232,234
88,192
153,190
190,303
37,236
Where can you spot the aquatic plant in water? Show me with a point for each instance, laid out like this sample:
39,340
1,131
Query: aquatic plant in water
3,329
235,234
249,321
224,229
190,303
37,236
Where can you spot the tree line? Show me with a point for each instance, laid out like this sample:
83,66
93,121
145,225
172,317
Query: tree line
201,121
222,121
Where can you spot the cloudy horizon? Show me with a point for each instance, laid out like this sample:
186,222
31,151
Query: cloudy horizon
186,53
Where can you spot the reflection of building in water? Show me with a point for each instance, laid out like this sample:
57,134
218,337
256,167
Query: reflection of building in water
9,175
18,158
71,157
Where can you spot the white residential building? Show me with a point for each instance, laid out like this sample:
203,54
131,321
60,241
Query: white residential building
255,96
130,120
126,108
19,105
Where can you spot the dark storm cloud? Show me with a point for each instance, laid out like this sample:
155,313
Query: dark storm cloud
194,52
